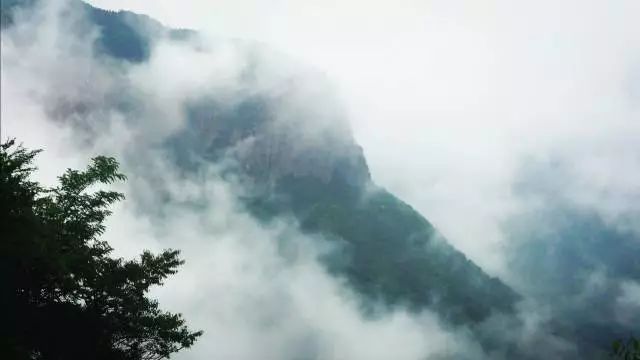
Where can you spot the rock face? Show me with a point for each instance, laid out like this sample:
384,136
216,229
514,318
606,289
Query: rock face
304,162
272,149
276,152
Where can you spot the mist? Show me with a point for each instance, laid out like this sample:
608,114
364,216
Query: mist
449,97
258,290
515,129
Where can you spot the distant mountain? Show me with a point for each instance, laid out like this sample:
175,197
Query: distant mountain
581,265
317,173
312,169
388,251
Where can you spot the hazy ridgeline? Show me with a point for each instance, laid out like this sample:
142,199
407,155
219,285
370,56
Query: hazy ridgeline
246,160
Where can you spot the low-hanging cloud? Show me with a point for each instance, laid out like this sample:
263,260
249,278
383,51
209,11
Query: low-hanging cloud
449,98
454,103
258,290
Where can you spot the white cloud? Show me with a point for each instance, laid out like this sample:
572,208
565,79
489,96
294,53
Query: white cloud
257,290
447,97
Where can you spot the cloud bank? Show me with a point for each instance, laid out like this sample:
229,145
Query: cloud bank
258,290
449,97
512,128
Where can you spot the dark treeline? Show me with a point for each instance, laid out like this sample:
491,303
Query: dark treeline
63,295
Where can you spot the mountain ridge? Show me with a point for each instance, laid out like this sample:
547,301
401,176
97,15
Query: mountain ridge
309,166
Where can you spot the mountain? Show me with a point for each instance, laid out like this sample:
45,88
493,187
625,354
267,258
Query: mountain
308,166
579,262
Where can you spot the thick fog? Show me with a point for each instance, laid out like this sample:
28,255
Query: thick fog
257,290
448,97
513,127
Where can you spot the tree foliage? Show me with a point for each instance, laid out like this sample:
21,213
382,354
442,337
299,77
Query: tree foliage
627,350
64,296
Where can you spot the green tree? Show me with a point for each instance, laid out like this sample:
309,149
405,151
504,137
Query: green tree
64,296
627,350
